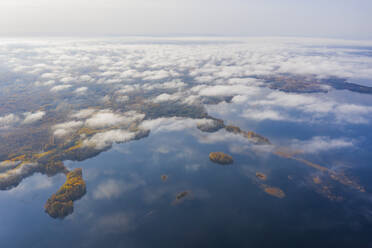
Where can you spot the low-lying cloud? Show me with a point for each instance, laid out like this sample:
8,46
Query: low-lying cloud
321,144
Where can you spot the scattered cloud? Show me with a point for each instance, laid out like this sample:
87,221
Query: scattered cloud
81,90
106,139
60,87
112,188
171,124
321,143
63,129
8,120
14,174
260,115
32,184
221,137
33,117
107,118
224,90
166,97
84,113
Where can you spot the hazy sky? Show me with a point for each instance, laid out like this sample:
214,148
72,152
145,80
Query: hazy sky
320,18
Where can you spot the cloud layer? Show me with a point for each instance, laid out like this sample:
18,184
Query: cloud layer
94,82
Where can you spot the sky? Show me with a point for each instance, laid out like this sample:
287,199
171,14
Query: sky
349,19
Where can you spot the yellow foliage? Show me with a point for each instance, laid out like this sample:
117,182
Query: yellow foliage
19,158
77,146
87,131
40,155
60,204
274,192
220,158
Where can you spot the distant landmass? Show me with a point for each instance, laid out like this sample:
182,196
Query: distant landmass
311,84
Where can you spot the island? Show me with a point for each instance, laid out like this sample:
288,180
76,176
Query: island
261,176
61,204
273,191
220,158
181,195
250,135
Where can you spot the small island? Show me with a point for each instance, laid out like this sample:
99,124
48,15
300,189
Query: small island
60,204
261,176
220,158
181,195
274,192
250,135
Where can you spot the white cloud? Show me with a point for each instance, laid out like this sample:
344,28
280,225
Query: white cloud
32,184
106,139
174,84
49,75
189,73
239,99
85,78
17,173
282,99
122,98
166,97
106,118
8,120
81,90
128,88
114,188
109,189
157,75
191,100
225,90
221,137
66,128
263,115
45,83
67,80
84,113
33,117
171,124
308,108
353,108
321,143
60,87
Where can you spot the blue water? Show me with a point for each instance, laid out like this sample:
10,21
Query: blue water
128,205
